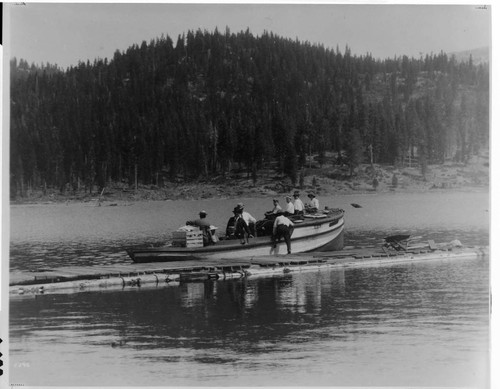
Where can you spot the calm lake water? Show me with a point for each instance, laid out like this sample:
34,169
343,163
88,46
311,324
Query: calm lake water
418,324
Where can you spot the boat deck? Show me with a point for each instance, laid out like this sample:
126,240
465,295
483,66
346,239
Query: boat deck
85,278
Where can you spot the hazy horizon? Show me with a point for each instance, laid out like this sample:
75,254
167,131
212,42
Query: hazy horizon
64,34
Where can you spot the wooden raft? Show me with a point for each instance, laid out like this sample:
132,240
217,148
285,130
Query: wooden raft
210,268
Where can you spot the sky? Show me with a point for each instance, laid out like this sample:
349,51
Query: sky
66,33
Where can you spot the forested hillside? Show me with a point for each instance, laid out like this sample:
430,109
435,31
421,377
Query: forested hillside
215,101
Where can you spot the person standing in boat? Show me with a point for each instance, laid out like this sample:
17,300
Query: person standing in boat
283,228
298,205
204,225
313,205
249,219
231,225
289,208
241,229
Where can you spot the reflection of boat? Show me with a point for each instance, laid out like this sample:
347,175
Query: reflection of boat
312,232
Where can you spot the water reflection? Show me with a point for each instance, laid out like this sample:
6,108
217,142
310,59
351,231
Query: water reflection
420,324
342,325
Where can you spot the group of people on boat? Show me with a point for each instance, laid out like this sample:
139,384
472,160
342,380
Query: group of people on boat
295,206
243,226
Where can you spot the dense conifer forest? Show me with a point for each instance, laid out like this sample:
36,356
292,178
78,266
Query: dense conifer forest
216,101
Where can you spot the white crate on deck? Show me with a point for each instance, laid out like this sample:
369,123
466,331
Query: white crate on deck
187,236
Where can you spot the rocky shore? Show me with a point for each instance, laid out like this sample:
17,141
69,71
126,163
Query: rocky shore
322,180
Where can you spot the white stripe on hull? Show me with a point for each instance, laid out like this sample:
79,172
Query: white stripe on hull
304,238
310,241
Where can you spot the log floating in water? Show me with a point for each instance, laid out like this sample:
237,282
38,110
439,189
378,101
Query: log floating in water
86,278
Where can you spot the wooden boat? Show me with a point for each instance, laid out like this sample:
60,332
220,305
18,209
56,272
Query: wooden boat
323,232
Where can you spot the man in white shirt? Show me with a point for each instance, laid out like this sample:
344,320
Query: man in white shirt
283,227
298,204
289,208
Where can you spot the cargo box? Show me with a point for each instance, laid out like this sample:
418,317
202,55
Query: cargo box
187,238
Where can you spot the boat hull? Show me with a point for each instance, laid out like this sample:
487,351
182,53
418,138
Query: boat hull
310,235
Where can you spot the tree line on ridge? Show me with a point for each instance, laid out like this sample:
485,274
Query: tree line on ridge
217,101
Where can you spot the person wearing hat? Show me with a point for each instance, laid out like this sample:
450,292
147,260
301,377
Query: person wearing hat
298,205
201,222
204,225
283,228
313,205
249,219
289,208
231,225
236,227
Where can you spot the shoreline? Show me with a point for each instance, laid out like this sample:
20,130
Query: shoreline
324,181
155,196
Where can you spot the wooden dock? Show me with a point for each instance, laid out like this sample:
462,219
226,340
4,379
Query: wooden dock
136,275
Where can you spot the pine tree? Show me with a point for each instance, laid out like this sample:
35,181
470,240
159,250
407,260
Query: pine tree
214,100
